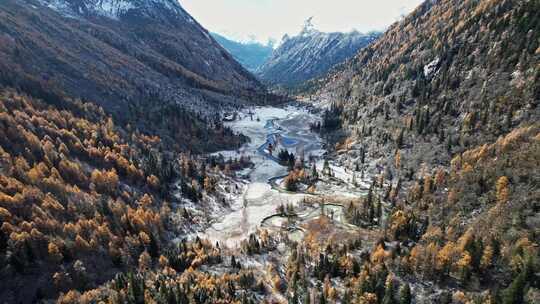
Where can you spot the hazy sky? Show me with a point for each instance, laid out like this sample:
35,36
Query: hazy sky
264,19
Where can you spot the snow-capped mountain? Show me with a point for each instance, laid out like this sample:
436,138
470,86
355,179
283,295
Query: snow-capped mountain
115,8
116,52
310,54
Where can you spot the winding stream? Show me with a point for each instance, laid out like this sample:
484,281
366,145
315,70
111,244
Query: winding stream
284,128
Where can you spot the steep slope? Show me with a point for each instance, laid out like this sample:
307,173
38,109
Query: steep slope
452,75
444,107
72,186
250,54
310,54
120,52
477,225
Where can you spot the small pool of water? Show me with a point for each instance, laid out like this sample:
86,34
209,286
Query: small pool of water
288,142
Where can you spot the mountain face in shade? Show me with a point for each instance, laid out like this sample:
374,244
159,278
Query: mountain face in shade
251,55
116,52
310,54
116,8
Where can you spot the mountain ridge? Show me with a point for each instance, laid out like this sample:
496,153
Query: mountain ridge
250,54
310,54
149,60
112,8
187,62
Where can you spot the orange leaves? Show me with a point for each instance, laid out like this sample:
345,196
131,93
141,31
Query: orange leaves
368,298
18,238
397,159
502,190
153,182
440,178
517,137
21,168
446,257
32,142
379,255
121,163
105,181
72,172
50,203
10,185
464,263
398,224
452,196
209,184
71,230
8,228
487,257
455,164
278,283
290,182
5,215
163,261
145,201
54,252
48,200
427,184
6,200
145,239
345,145
143,219
145,261
467,121
71,297
38,173
81,244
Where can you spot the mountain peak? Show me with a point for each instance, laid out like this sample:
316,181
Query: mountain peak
310,54
114,9
309,27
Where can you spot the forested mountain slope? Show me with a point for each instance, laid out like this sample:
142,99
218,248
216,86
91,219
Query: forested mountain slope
452,75
80,197
135,58
444,107
99,100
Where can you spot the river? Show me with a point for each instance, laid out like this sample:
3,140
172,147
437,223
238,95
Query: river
285,128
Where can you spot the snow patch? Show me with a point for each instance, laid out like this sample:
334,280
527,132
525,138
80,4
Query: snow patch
431,67
113,9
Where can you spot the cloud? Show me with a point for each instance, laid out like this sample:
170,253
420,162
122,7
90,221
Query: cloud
267,19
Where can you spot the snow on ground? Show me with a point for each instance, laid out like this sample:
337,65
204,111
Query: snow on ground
259,200
292,125
288,128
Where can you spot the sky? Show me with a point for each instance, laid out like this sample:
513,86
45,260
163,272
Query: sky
261,20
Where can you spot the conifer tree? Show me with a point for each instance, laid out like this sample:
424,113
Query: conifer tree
405,294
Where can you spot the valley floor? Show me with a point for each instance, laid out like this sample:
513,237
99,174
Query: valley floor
262,191
259,192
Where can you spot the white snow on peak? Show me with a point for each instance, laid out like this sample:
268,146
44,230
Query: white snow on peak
309,28
112,8
59,6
